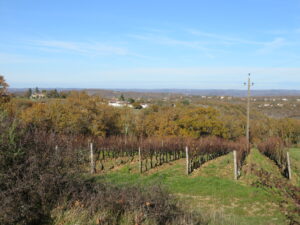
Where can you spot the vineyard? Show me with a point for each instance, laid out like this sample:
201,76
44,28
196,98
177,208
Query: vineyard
206,166
107,153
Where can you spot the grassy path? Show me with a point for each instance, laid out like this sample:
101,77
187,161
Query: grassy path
295,161
211,189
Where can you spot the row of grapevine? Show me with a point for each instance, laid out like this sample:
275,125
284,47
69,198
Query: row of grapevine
109,152
156,151
152,152
113,151
276,150
208,148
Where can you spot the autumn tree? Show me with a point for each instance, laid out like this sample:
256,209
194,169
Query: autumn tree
127,121
4,97
78,114
3,85
53,94
163,122
197,122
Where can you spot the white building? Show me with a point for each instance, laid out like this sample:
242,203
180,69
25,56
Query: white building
125,104
145,106
117,104
37,96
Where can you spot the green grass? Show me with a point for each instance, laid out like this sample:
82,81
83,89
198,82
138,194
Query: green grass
295,164
210,188
260,162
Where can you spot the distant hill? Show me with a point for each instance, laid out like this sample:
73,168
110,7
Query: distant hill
218,92
158,92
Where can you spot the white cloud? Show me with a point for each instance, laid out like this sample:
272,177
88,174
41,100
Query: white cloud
263,47
278,32
283,31
211,44
8,58
84,48
224,39
269,47
170,41
164,40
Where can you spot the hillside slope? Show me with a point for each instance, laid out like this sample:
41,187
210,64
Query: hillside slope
212,191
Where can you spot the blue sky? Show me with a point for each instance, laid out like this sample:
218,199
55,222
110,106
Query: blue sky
150,44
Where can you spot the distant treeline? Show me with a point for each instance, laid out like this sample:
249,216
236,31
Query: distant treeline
37,93
160,93
80,113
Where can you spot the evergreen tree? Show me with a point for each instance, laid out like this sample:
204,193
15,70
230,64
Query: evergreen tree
131,100
37,90
122,98
28,93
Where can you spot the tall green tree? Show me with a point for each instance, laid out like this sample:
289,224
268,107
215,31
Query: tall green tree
122,98
28,93
37,90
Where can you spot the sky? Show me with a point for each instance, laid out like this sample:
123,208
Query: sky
150,44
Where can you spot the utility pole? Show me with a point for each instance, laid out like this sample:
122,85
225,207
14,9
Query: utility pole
187,160
248,111
235,165
93,168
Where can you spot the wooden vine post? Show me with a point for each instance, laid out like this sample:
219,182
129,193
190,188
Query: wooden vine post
235,165
140,161
187,160
56,150
289,165
93,168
